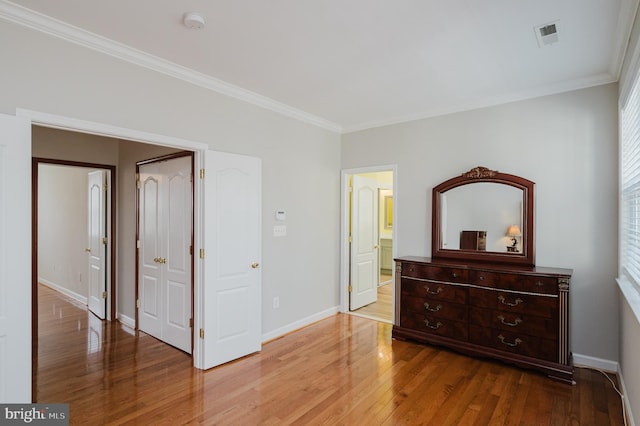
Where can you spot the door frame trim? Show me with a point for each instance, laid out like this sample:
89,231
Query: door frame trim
344,228
199,149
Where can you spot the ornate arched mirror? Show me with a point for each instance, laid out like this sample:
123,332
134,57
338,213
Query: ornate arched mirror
484,215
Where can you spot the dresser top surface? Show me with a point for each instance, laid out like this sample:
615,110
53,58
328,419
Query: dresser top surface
497,267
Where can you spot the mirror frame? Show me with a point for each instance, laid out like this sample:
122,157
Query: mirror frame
477,175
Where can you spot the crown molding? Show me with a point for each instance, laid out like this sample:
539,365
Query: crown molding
538,92
626,18
37,21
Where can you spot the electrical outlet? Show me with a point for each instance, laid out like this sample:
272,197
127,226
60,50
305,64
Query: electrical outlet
276,302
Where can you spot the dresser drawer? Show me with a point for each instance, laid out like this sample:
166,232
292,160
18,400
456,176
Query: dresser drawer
530,325
522,344
516,282
435,308
541,306
438,273
434,290
434,325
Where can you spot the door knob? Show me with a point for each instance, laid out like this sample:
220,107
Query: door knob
254,265
88,250
375,247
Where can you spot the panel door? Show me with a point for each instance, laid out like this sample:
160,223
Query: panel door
232,287
97,248
165,258
364,243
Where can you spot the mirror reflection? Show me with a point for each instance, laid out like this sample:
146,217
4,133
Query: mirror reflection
481,216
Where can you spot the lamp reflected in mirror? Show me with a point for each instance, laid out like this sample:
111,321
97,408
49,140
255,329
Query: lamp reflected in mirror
513,232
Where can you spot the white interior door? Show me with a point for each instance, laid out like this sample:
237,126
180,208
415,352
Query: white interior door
15,259
232,279
97,247
164,256
364,243
149,267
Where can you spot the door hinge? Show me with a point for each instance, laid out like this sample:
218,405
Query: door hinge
137,243
191,322
350,239
138,303
350,288
202,333
104,294
138,184
191,250
201,253
105,187
201,173
104,240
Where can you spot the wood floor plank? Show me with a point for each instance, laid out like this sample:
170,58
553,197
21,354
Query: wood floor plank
344,370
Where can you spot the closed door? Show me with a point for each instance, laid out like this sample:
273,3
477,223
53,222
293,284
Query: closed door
164,254
97,243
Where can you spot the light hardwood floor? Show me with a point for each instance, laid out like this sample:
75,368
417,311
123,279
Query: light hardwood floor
382,308
344,370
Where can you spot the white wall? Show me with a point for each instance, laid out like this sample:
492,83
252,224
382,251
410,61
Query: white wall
565,143
300,162
62,229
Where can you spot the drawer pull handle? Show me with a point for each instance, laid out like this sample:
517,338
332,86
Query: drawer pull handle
434,327
515,302
481,277
438,290
510,324
514,344
540,284
436,309
454,275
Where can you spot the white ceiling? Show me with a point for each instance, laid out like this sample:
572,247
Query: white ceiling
354,64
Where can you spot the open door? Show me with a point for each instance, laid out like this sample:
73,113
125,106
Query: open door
364,245
232,325
15,259
97,243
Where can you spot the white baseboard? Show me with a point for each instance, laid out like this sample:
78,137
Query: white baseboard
299,324
75,296
627,407
597,363
128,321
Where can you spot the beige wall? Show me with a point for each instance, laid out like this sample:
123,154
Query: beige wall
62,229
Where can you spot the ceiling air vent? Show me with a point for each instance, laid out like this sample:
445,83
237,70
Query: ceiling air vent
547,34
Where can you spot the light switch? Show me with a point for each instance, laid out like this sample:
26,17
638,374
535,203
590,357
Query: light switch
280,230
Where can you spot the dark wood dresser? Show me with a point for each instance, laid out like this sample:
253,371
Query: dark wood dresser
517,314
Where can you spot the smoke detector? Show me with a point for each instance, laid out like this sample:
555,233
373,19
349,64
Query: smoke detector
547,34
193,20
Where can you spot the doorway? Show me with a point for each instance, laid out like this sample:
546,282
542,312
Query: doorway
83,265
368,235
